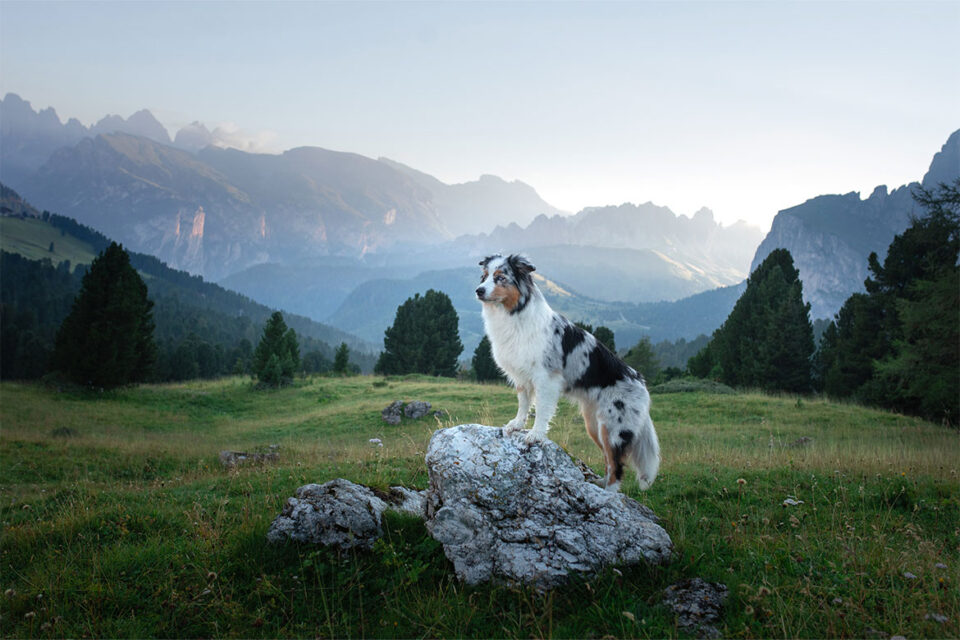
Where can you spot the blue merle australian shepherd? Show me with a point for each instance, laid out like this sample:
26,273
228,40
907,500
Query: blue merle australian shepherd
544,355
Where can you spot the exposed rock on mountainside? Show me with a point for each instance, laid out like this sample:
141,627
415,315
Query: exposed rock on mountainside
831,237
190,212
511,512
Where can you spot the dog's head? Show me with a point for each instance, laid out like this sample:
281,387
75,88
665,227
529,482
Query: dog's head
506,281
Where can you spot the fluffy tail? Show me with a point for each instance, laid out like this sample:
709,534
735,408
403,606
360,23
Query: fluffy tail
645,454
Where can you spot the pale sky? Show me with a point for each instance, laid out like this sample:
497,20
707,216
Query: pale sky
744,107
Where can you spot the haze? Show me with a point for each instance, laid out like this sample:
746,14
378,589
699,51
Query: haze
746,108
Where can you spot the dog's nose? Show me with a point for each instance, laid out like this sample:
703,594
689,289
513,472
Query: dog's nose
480,291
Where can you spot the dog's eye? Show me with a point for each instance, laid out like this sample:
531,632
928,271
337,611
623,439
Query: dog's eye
499,280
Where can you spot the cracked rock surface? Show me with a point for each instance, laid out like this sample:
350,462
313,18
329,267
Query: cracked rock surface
511,512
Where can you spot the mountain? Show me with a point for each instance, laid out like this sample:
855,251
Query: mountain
636,253
370,308
830,237
480,205
181,299
223,210
28,138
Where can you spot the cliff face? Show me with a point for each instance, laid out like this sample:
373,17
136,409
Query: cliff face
831,237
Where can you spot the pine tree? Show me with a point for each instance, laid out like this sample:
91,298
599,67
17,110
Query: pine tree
484,366
423,338
341,360
277,356
107,339
642,358
767,340
897,346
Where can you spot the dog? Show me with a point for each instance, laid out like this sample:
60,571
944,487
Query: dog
545,356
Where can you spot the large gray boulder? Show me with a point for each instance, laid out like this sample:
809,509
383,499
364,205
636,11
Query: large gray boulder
510,512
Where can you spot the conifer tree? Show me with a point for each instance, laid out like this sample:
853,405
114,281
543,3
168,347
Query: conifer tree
423,338
341,360
484,366
107,339
277,356
767,340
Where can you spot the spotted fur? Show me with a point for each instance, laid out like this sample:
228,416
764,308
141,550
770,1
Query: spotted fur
546,356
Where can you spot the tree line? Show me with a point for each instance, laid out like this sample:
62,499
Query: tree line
896,346
37,298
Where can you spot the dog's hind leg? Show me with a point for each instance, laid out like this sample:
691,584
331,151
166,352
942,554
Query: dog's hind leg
611,481
589,413
523,411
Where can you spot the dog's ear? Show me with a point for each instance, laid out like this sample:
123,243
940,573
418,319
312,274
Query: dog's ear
521,265
486,261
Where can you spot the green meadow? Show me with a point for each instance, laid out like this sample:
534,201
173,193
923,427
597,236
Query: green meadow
119,521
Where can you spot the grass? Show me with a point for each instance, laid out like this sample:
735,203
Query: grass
118,521
31,238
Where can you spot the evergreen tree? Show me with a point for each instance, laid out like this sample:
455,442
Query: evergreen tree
107,339
605,337
897,345
341,361
423,338
277,356
484,366
641,357
767,340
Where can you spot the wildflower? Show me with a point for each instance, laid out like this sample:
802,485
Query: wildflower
909,576
629,616
376,441
940,565
741,481
791,502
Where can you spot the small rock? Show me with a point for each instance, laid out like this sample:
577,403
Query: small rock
338,513
909,576
341,514
791,502
231,459
698,605
391,414
416,409
940,565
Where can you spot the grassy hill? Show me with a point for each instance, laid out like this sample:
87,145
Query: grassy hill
119,521
32,238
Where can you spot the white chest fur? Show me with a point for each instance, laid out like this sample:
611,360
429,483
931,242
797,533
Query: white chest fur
519,341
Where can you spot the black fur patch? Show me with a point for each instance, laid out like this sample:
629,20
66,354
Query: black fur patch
520,269
626,437
604,370
573,336
619,405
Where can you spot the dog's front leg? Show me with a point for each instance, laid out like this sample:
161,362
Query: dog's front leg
523,410
549,390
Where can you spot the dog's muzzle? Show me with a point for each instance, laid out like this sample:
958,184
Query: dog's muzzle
480,294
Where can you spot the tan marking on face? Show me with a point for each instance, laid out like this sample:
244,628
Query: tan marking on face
508,295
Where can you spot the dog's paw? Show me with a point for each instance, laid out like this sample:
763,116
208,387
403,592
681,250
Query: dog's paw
534,436
513,426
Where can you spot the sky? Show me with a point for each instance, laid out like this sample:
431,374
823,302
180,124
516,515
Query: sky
746,108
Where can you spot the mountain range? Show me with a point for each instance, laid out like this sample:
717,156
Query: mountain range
343,238
831,237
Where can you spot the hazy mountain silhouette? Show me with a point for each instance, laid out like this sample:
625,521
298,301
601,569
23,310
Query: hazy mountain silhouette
830,237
